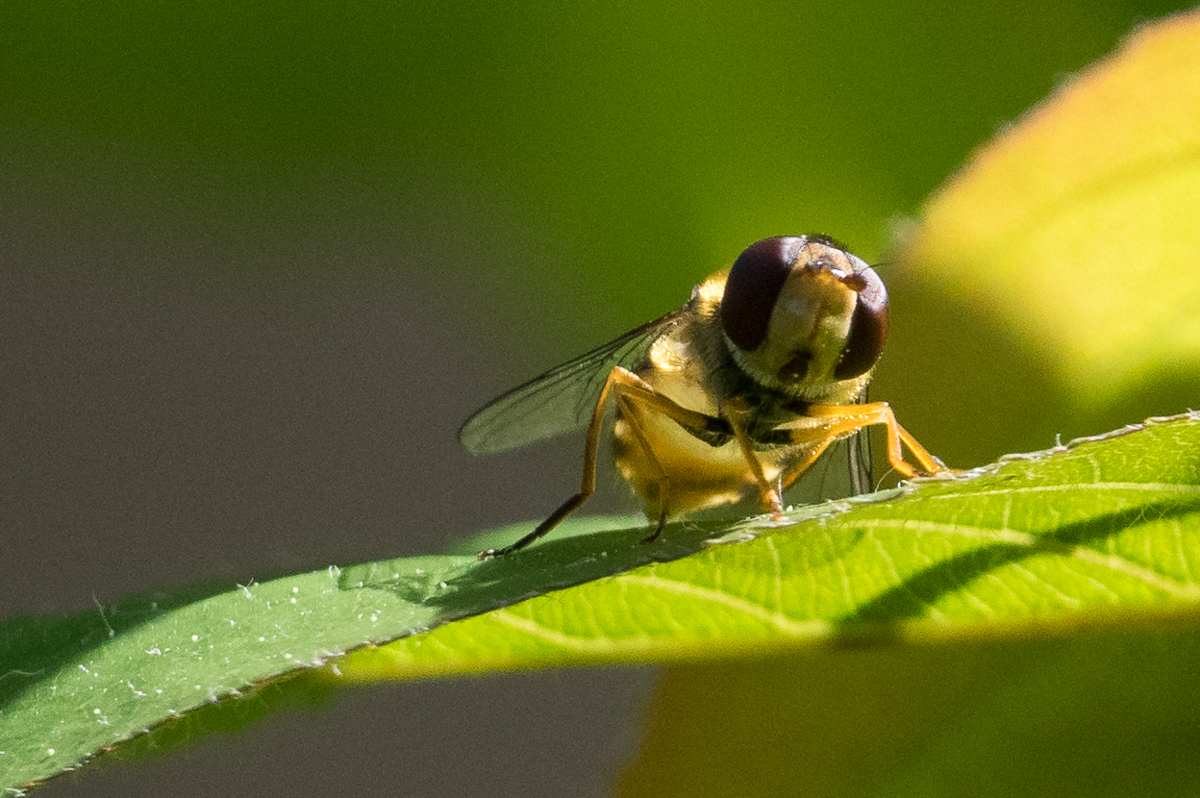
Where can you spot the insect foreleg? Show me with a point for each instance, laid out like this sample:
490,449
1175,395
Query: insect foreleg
842,420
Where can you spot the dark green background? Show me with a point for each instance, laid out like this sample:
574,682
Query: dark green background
258,261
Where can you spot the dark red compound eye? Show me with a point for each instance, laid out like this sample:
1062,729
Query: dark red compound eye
868,326
753,287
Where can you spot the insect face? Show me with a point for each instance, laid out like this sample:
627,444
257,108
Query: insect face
800,314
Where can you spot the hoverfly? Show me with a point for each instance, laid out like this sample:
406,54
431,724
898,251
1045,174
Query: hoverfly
734,395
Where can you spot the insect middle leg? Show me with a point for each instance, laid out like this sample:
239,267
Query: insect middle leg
630,390
771,494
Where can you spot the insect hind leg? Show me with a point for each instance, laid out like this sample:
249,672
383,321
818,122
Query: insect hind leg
661,479
632,392
587,484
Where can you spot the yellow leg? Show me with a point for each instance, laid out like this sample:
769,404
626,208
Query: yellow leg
632,391
662,480
846,419
797,469
735,411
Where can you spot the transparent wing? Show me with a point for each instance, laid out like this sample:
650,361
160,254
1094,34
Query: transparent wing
859,448
562,399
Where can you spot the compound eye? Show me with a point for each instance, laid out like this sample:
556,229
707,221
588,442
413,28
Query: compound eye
753,287
868,328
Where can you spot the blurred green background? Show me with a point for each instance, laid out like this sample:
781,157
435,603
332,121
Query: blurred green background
259,260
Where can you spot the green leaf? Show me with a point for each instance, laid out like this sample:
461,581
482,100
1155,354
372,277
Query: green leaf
69,687
1104,532
1097,533
1076,227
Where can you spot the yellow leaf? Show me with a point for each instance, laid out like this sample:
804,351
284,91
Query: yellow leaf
1080,226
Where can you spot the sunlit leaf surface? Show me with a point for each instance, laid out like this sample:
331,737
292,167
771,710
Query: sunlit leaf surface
1077,227
1104,532
1100,533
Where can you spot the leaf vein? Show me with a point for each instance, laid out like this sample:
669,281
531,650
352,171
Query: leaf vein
1136,487
777,618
